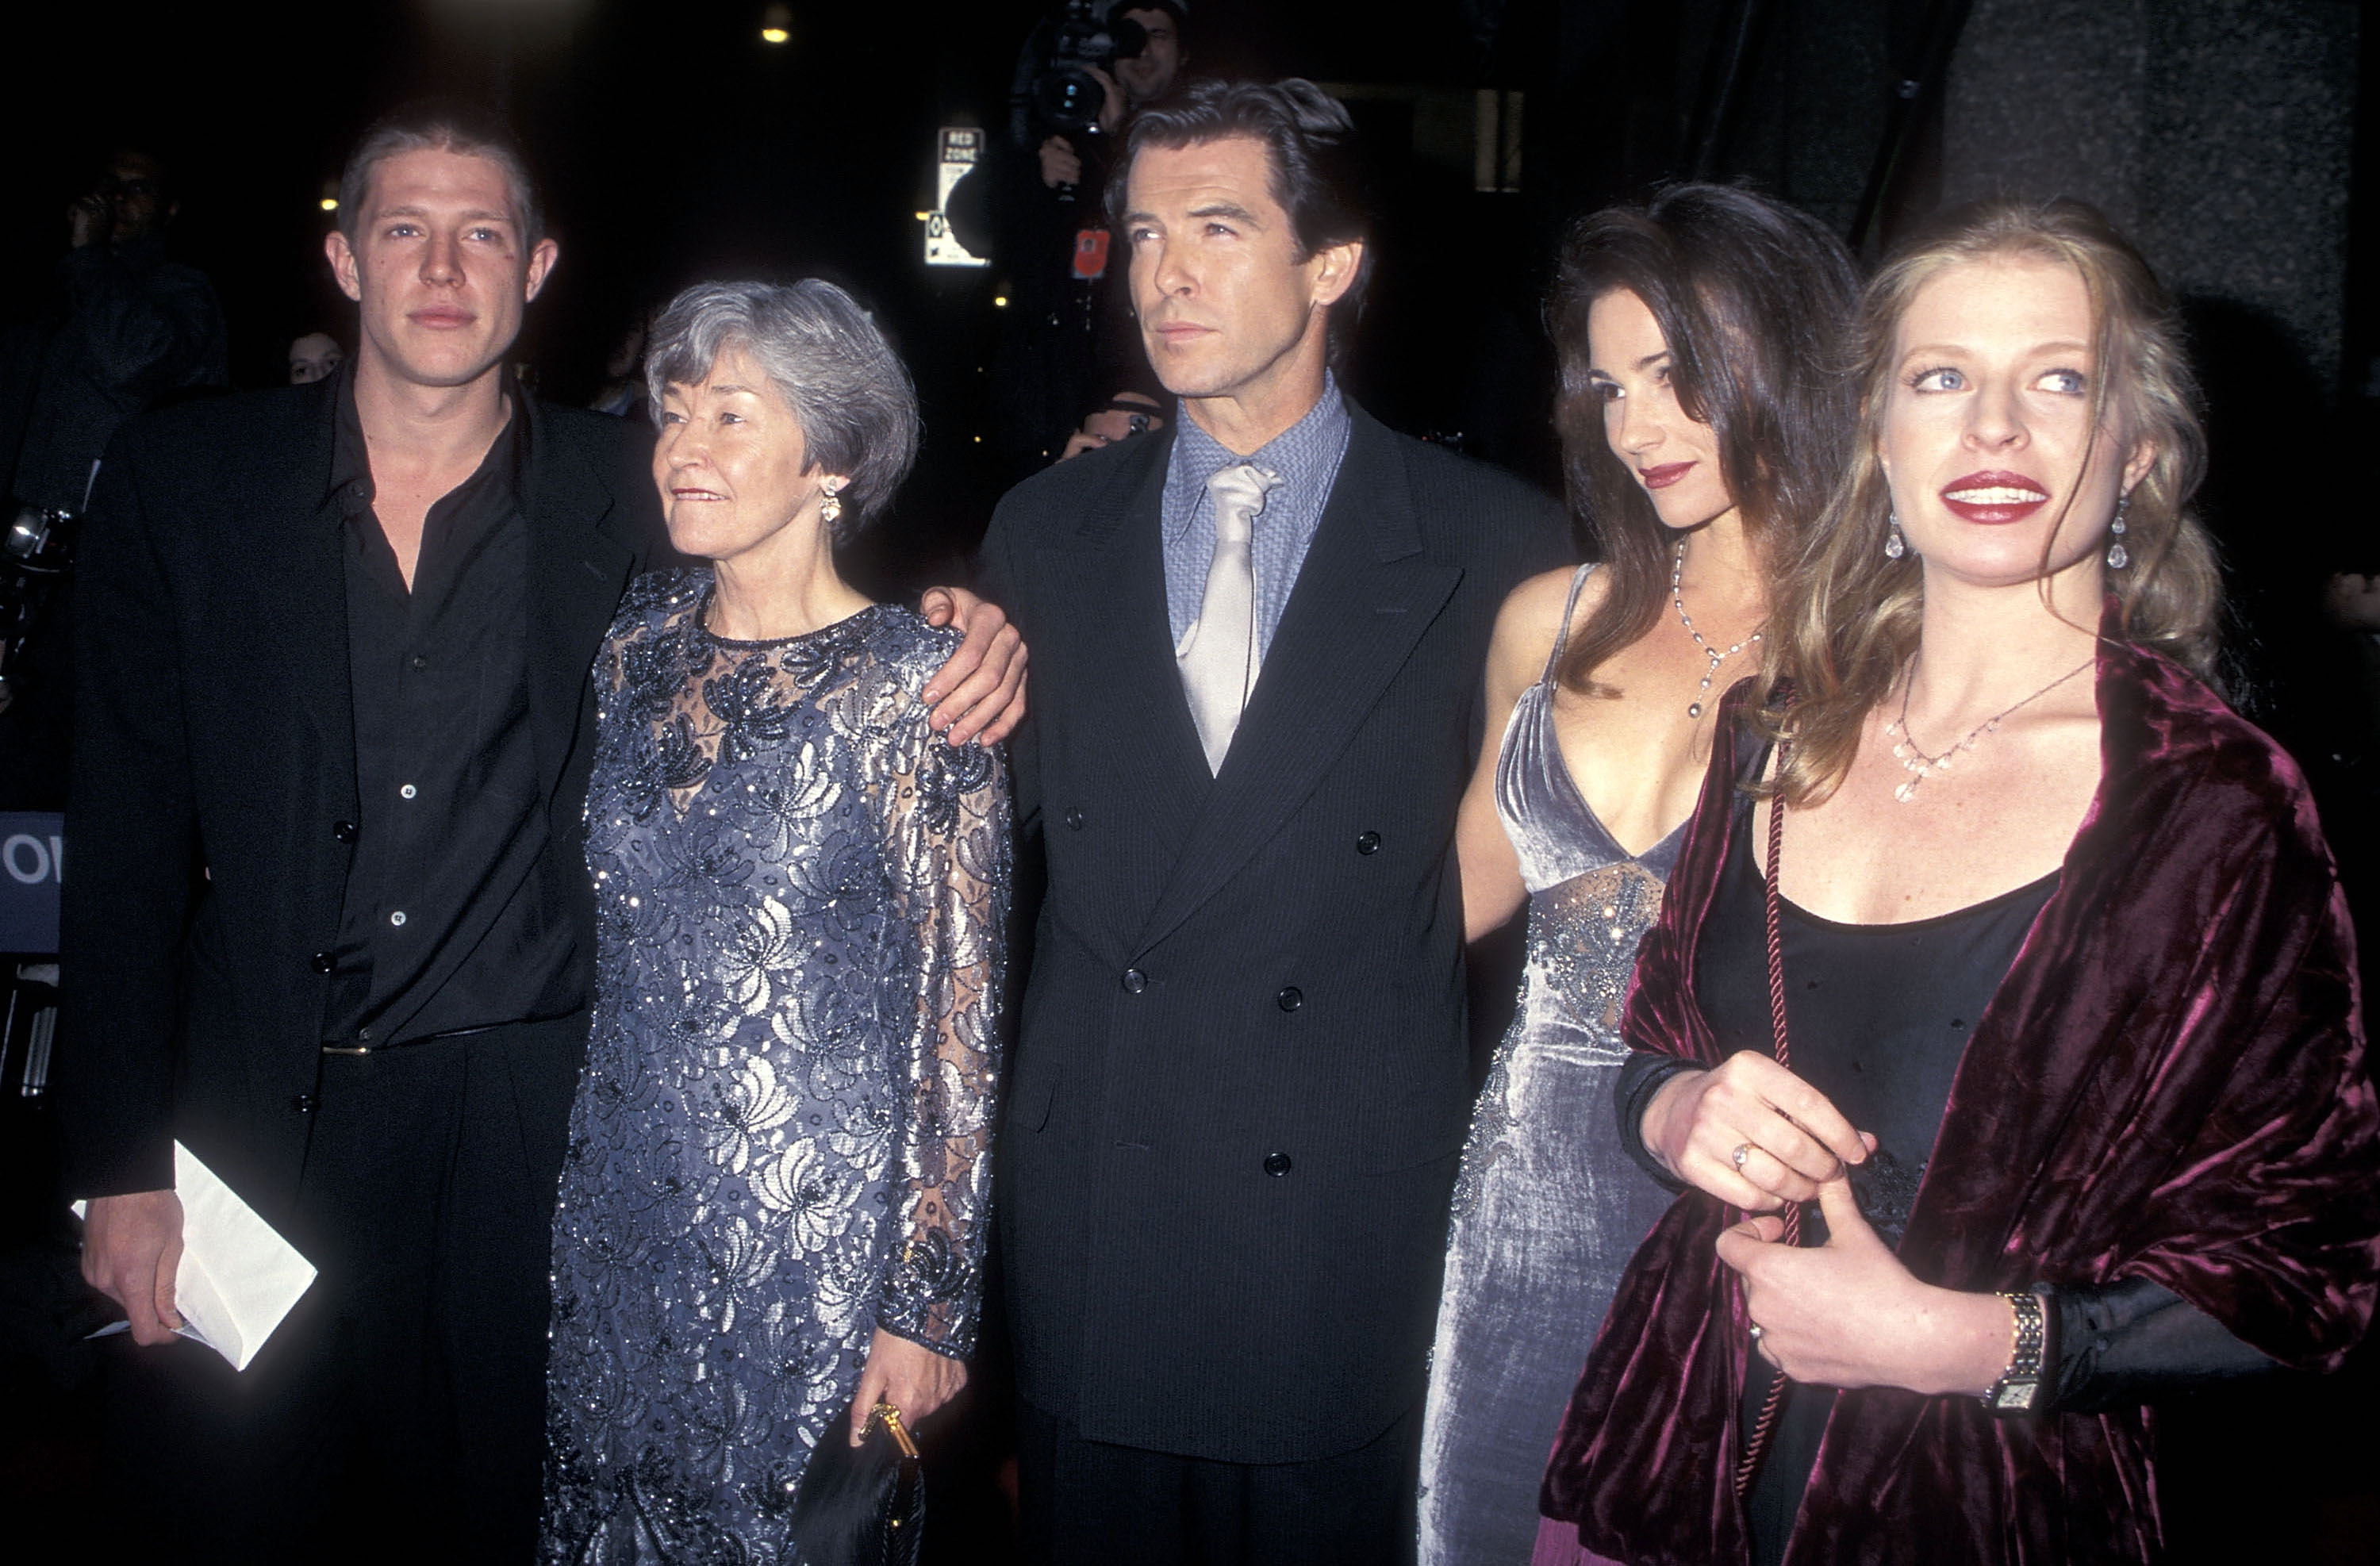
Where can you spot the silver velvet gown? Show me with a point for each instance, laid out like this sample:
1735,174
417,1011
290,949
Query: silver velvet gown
780,1141
1548,1209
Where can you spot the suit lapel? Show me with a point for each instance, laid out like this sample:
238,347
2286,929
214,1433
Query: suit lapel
308,568
1113,567
1362,600
577,571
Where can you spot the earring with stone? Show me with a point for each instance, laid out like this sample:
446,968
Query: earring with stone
2118,557
830,508
1895,546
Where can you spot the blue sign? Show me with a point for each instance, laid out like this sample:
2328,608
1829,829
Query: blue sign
33,861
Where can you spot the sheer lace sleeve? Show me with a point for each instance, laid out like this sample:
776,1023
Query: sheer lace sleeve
948,854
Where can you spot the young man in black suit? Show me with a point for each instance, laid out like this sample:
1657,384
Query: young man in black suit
331,928
1240,1080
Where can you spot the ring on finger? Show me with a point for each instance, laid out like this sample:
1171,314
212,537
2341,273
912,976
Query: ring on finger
1742,1151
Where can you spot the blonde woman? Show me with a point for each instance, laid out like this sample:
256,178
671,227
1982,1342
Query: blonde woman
2067,1109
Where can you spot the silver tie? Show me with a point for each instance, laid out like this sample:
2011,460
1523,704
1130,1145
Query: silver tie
1217,656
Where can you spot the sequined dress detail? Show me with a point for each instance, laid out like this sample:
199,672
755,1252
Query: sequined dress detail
1547,1208
780,1139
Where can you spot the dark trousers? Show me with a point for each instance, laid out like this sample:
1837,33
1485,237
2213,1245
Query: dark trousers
399,1412
1086,1501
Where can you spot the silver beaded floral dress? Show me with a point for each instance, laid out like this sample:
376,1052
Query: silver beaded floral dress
1548,1209
780,1139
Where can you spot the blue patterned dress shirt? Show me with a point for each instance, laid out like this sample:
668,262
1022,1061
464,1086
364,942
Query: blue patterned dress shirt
1306,456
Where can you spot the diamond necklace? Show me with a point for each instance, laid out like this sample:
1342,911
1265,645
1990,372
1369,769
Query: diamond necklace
1677,573
1921,766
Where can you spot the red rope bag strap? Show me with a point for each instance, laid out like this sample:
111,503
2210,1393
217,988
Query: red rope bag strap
1748,1467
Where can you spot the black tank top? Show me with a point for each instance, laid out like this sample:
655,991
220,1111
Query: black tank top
1879,1017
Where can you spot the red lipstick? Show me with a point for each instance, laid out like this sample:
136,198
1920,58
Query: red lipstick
1664,476
1994,496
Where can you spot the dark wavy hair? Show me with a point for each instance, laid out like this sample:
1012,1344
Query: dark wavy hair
1753,299
1317,166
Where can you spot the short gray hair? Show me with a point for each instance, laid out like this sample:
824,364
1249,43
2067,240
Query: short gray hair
437,129
849,391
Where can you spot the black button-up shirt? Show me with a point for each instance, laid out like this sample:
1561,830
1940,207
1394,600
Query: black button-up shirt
446,924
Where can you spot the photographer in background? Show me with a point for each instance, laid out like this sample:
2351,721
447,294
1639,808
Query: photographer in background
128,329
1069,344
133,329
1139,78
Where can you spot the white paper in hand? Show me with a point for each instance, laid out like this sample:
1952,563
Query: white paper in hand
238,1278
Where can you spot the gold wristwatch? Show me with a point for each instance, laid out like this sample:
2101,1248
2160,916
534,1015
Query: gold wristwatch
2021,1387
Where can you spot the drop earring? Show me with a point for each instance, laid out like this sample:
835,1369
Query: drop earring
1895,546
2118,557
830,508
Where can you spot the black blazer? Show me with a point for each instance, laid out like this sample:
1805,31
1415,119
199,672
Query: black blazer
215,752
1241,1078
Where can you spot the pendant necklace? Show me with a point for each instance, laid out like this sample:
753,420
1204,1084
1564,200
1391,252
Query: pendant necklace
1921,766
1677,574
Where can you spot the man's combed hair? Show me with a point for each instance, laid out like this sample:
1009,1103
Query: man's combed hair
1316,164
849,391
1753,299
1850,623
439,129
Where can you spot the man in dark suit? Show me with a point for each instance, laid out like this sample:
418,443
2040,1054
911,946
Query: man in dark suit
331,928
1241,1082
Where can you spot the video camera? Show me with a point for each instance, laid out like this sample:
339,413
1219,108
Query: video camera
1062,95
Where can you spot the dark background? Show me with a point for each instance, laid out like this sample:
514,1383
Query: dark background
674,145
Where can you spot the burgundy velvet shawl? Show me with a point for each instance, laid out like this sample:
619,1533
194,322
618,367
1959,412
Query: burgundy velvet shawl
2169,1084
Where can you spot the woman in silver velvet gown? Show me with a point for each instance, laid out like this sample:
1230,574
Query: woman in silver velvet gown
772,1207
1700,429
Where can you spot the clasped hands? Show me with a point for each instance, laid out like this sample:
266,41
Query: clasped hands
1844,1313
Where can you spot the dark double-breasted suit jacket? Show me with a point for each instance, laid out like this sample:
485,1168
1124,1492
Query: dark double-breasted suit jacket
215,773
1241,1078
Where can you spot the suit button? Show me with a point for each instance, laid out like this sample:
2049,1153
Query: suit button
1290,998
1368,843
343,831
1074,817
302,1104
1135,981
1275,1164
320,962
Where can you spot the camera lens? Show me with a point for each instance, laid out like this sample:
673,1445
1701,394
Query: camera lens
27,535
1069,97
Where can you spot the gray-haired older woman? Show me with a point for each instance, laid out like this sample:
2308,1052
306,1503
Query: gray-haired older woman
773,1202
